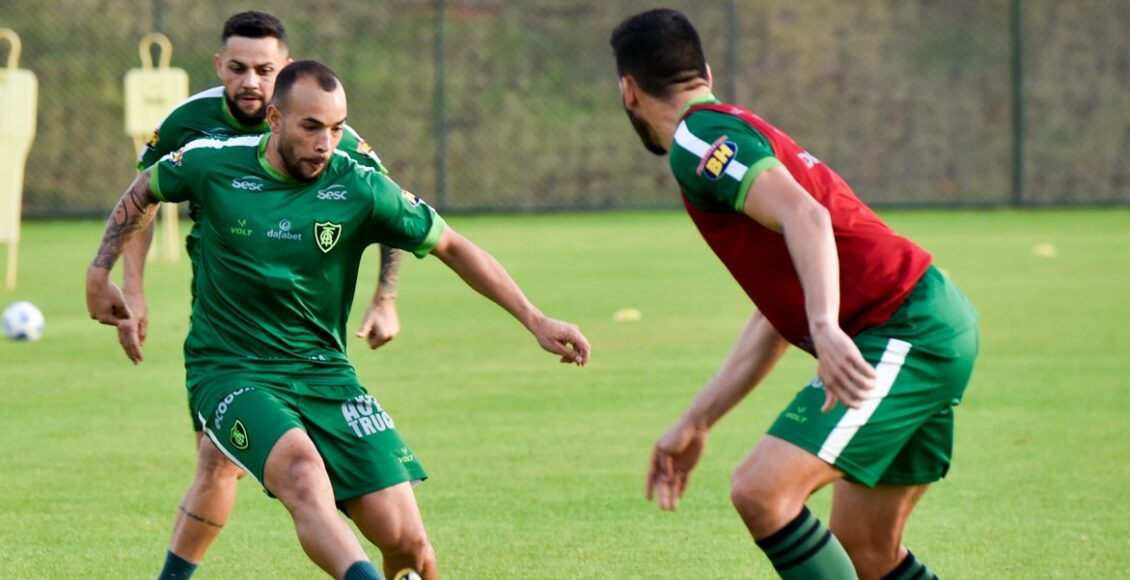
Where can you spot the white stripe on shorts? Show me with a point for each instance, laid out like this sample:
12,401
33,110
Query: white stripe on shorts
885,373
216,441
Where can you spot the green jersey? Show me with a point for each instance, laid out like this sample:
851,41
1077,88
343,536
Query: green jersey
278,258
206,114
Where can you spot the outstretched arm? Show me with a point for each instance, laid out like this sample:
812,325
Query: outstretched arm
483,273
104,301
677,452
381,323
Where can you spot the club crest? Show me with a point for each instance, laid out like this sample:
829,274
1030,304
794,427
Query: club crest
326,235
239,438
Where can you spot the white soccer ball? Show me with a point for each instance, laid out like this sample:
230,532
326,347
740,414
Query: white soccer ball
407,574
23,321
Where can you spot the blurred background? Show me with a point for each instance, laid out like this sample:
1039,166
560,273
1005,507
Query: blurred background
511,105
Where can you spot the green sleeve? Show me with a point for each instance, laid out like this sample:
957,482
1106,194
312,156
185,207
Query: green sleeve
400,219
360,151
716,157
173,178
161,143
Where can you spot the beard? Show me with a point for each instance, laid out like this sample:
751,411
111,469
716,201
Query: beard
293,162
646,133
243,118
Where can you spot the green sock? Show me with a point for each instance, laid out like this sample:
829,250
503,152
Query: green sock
805,550
362,570
910,569
176,568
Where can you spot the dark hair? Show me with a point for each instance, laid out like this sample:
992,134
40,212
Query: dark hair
253,24
660,49
298,70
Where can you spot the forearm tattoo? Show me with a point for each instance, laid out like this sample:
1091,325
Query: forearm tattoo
134,211
200,519
390,271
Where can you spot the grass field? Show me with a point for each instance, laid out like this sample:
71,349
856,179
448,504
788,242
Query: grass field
537,468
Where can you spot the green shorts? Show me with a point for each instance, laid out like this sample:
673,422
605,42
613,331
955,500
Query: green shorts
356,437
903,432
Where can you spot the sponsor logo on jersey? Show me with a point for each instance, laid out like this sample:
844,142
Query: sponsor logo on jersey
177,157
238,437
326,235
241,229
248,183
283,232
717,158
410,198
808,160
333,193
366,417
797,414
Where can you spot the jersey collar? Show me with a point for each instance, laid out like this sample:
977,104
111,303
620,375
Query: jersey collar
707,98
266,164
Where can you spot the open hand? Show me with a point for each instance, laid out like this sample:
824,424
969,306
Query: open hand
674,456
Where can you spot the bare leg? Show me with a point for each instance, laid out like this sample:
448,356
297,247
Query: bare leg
296,475
869,523
391,520
770,486
207,503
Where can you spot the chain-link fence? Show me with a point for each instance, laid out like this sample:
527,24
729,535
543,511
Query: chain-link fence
513,105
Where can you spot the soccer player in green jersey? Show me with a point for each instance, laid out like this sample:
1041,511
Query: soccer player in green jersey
267,370
253,49
894,339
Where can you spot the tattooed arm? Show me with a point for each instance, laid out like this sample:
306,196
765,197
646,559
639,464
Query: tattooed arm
382,323
104,301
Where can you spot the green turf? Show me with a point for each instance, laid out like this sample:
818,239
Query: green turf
537,468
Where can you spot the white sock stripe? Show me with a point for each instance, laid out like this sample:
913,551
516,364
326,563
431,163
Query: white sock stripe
885,374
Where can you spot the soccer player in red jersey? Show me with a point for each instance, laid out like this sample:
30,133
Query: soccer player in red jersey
895,340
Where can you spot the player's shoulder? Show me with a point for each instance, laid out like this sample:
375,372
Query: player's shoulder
359,150
194,108
346,167
710,125
705,134
207,150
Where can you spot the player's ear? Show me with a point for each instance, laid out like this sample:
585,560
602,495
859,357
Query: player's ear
709,77
216,59
274,117
628,88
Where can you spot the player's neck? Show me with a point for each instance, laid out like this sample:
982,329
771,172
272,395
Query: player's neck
673,109
274,156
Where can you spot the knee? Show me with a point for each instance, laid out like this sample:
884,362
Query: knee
304,480
763,506
410,546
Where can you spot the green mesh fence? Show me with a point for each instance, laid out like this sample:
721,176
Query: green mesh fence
512,105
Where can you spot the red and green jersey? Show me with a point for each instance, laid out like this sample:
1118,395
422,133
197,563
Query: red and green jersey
277,259
206,114
717,152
